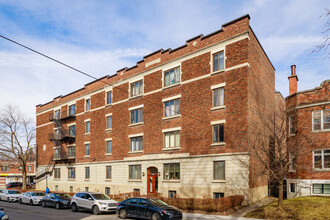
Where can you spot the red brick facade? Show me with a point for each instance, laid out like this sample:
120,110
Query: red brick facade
10,172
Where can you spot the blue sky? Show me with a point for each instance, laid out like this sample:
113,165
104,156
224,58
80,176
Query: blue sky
100,37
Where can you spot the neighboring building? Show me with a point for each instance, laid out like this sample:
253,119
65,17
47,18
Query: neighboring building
11,172
309,117
177,123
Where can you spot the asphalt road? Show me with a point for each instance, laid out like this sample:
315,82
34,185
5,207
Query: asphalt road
16,211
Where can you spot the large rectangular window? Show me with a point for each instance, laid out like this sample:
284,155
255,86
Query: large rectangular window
172,107
321,159
72,151
108,172
135,172
136,88
218,133
321,120
57,173
72,110
71,173
136,116
87,127
136,143
291,125
108,122
5,168
321,188
109,97
172,171
219,97
57,153
172,139
72,130
57,114
172,76
219,170
218,61
87,172
87,149
108,147
87,104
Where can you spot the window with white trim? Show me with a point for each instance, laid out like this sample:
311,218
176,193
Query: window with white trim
57,173
218,133
291,125
321,159
136,116
217,195
292,187
108,170
218,97
321,120
57,153
87,149
5,168
136,88
218,61
87,127
107,190
219,170
134,172
57,114
72,130
29,168
321,188
87,104
172,171
108,146
172,76
71,172
136,143
108,99
87,172
72,109
171,194
72,151
172,107
172,139
292,160
108,122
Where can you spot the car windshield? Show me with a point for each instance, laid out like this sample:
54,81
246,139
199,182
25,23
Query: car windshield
38,194
99,196
157,202
62,196
14,192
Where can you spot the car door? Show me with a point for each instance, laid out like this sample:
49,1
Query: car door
27,197
87,201
131,207
52,199
143,210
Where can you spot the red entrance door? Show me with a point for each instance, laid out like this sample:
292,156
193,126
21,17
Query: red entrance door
152,174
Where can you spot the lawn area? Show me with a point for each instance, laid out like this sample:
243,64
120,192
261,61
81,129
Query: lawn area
309,207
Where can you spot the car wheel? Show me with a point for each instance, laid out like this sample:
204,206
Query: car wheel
57,205
155,216
20,201
74,207
8,200
96,210
31,202
122,213
43,204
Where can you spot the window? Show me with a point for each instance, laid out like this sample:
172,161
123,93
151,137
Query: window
321,120
109,97
29,168
172,171
172,107
72,151
218,61
4,168
72,110
292,187
57,173
87,127
56,188
107,190
108,147
88,105
108,172
87,173
217,195
57,153
218,133
108,122
71,173
87,149
172,76
57,114
71,189
219,97
172,139
291,125
171,194
136,116
136,144
321,188
135,172
219,170
72,130
321,159
20,168
292,161
136,192
137,88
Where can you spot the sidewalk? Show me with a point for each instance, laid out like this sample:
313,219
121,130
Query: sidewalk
205,216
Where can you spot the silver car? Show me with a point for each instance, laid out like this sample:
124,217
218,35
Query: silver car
32,198
10,195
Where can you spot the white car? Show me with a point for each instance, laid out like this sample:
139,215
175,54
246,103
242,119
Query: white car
97,202
32,198
10,195
1,193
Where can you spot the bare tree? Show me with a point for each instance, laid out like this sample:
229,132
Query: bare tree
17,135
326,43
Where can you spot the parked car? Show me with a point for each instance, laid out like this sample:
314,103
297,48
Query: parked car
147,208
32,198
57,200
97,202
1,193
10,195
3,215
14,185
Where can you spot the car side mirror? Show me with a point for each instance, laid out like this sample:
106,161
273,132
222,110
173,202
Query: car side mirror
91,199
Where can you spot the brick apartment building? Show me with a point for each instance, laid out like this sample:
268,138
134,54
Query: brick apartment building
309,113
11,172
176,123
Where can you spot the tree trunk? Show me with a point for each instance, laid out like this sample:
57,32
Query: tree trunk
280,194
24,177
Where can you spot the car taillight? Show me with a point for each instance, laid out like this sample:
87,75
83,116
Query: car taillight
117,203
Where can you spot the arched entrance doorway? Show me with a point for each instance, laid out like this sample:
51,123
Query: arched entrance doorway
152,174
